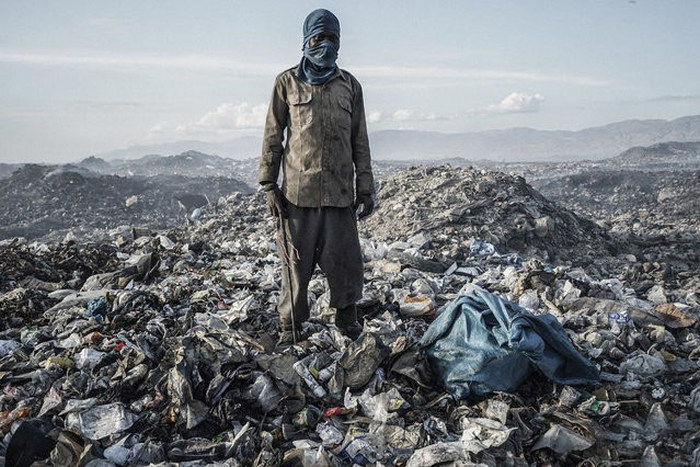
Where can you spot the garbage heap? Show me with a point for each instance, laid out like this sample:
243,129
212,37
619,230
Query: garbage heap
656,214
159,348
41,201
633,201
454,205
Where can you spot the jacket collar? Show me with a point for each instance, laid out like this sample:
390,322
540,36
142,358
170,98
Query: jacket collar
339,73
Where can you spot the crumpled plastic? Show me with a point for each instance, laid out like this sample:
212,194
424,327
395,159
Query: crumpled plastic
478,434
562,441
101,421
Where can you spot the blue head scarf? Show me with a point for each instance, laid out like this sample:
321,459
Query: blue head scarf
318,63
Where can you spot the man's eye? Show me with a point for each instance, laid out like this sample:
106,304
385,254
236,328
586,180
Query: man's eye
321,37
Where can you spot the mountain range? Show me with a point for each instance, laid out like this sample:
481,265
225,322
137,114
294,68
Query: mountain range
508,145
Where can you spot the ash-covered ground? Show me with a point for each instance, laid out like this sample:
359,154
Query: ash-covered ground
155,345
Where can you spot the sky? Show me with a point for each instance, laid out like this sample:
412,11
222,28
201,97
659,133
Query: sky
83,77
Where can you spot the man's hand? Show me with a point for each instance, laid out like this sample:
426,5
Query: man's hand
275,200
367,205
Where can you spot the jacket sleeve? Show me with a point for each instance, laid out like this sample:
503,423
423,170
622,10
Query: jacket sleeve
364,180
273,139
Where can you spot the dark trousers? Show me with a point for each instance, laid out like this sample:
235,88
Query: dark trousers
328,237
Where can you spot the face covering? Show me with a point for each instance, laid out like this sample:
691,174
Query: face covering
318,63
323,55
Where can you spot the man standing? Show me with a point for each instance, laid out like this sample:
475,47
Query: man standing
327,176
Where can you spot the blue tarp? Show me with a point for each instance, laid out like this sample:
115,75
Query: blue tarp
483,343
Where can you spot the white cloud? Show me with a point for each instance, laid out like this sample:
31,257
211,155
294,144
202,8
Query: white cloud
226,120
229,116
375,116
472,74
402,115
405,75
111,60
517,102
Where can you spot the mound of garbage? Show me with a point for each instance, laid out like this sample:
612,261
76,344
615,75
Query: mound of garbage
653,200
454,205
50,201
159,349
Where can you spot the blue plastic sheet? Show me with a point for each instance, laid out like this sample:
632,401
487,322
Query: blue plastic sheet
483,343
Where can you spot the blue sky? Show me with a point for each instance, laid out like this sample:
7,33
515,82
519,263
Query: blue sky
83,77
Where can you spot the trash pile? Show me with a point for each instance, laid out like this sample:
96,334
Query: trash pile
454,205
159,350
48,202
632,201
188,163
656,213
7,169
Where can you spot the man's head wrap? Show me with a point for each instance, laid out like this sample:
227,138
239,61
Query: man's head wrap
318,63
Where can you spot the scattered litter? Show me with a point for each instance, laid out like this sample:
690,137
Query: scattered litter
499,328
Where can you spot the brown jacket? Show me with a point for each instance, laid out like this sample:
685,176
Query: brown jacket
326,142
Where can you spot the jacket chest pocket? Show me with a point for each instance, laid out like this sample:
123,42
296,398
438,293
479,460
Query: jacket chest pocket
344,113
300,109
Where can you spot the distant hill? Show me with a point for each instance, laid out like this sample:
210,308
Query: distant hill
512,144
239,148
190,163
526,144
670,152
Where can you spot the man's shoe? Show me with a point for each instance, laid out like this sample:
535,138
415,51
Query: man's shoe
346,321
352,331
